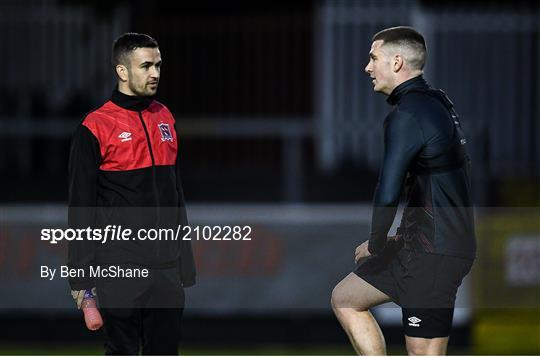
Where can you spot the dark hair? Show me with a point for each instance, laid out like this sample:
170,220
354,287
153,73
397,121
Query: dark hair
127,43
408,37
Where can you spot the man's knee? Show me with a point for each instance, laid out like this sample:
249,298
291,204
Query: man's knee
417,348
342,302
356,294
426,346
336,298
341,299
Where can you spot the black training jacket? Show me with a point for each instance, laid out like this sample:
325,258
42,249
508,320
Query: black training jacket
425,150
124,171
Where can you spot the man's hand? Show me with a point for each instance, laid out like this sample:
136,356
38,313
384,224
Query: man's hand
393,243
78,296
361,251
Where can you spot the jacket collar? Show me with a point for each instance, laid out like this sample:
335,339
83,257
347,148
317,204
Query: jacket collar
130,102
398,92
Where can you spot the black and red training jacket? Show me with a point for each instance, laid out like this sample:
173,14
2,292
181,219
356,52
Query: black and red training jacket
124,172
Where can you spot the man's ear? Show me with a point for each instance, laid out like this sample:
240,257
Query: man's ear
397,63
122,72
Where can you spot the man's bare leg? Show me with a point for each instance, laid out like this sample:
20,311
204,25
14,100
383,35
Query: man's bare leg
418,346
351,300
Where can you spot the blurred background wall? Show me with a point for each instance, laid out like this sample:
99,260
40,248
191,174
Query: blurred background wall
275,113
272,98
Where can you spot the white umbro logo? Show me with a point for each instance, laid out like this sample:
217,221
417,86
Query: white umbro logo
125,136
414,321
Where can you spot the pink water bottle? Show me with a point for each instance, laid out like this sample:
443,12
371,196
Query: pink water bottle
92,317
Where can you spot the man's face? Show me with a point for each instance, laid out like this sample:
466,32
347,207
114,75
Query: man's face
144,69
380,69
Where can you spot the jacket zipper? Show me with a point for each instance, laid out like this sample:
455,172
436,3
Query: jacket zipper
154,185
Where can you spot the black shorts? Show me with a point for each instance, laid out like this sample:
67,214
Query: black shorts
423,284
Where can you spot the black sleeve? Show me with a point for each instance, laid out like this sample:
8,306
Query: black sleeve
84,161
187,262
402,141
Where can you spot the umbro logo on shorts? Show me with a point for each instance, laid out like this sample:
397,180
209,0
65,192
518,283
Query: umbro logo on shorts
125,136
414,321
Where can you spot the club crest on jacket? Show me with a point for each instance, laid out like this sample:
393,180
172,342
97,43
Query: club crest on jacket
165,132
